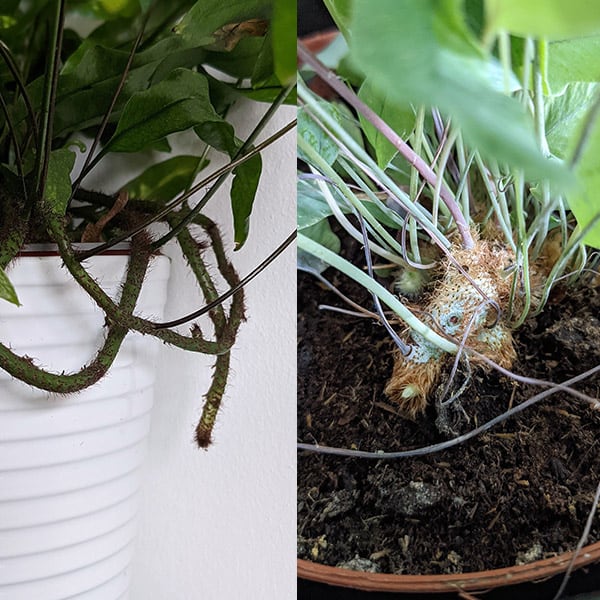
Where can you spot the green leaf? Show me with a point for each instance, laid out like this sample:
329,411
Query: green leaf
283,40
311,206
564,114
551,19
114,9
58,181
322,233
421,51
88,82
243,192
178,103
341,11
7,291
401,118
220,135
241,62
163,181
264,66
584,201
311,131
573,60
201,25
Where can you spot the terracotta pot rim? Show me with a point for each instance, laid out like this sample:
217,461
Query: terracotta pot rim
316,42
473,582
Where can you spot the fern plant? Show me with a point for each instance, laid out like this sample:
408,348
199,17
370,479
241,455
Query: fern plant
145,73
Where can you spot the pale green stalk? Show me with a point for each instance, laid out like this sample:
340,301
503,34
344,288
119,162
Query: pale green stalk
538,102
503,202
350,229
462,192
523,246
528,55
381,231
441,169
505,58
433,158
543,223
339,263
325,169
574,244
349,145
498,200
414,182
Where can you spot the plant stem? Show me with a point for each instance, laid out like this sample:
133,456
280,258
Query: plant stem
331,258
379,455
331,174
246,146
213,401
573,244
498,200
195,343
49,94
191,251
14,70
413,158
88,159
22,368
505,59
538,100
194,189
234,290
523,245
368,165
414,182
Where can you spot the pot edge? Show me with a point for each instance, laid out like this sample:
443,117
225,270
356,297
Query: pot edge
472,582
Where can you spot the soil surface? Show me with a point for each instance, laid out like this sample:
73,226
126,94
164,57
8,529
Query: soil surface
517,493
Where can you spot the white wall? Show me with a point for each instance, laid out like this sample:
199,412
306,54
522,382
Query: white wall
220,524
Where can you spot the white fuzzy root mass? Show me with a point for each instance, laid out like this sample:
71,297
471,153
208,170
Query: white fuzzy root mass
456,306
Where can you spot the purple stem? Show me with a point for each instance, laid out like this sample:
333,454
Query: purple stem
336,84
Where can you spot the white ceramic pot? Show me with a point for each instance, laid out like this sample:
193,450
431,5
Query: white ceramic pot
70,465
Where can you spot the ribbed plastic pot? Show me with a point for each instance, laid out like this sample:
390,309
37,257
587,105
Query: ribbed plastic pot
70,466
480,581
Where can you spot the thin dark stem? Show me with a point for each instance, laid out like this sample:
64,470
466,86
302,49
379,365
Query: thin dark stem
196,188
50,84
15,141
10,63
218,301
455,441
582,541
246,146
314,273
86,166
404,348
333,81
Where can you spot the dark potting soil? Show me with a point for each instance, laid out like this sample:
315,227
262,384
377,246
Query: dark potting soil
519,492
